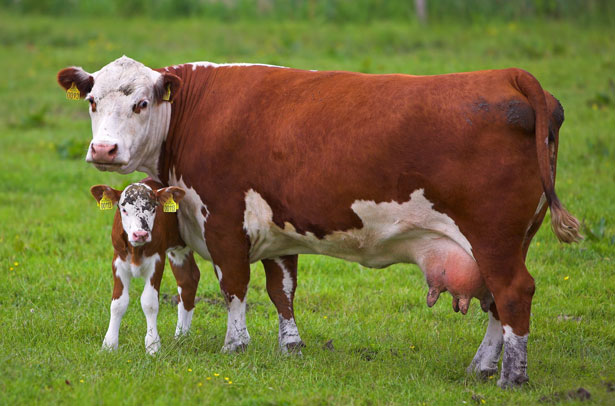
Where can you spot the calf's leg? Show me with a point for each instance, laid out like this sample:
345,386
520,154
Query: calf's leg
149,304
281,284
119,304
187,275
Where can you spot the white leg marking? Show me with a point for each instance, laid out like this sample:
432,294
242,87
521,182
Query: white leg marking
118,308
149,303
237,335
218,272
184,317
485,362
177,255
288,335
514,360
287,281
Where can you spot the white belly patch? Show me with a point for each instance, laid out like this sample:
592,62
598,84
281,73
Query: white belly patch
191,218
392,233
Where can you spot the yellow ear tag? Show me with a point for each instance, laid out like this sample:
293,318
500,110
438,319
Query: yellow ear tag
73,93
105,203
167,95
170,206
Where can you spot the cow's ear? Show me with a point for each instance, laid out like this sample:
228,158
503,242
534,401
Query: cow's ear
167,87
99,191
162,195
83,80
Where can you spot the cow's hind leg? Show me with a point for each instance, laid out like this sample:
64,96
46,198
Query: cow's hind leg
513,288
485,362
281,284
187,276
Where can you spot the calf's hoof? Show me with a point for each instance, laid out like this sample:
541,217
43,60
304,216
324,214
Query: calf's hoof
292,348
234,347
153,346
511,382
109,345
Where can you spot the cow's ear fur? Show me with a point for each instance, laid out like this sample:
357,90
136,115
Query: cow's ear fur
162,195
98,191
83,80
165,82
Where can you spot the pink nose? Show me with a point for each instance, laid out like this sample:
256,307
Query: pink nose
139,236
103,152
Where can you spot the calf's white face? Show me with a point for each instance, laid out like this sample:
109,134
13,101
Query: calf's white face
129,112
137,206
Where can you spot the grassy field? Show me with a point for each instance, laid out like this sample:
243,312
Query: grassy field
389,348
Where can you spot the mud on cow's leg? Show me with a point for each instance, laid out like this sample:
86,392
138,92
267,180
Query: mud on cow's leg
281,284
513,289
485,362
187,275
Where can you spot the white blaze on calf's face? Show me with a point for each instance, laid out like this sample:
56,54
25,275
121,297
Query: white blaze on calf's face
138,211
124,112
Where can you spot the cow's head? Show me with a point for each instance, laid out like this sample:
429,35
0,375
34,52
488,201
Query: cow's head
137,206
130,111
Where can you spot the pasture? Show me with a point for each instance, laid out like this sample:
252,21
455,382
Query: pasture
387,346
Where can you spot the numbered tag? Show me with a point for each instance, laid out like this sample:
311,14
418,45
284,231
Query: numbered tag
105,203
170,206
167,95
73,93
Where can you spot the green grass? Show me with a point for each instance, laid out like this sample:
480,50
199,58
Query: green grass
389,347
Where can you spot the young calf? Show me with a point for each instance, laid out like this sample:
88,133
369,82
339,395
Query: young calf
142,234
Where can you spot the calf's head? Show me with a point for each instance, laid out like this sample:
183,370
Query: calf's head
130,111
137,206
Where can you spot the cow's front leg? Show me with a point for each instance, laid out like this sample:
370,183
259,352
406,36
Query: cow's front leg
187,275
119,304
485,362
281,284
228,246
149,304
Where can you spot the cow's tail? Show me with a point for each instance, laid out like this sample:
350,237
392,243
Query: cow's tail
565,225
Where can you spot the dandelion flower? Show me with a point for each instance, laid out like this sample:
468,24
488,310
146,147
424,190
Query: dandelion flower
189,369
16,263
226,378
81,380
566,278
216,374
200,383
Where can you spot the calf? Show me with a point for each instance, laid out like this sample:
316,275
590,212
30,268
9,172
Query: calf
142,235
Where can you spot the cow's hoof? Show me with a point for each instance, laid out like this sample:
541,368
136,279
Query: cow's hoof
235,347
482,374
152,345
512,382
292,348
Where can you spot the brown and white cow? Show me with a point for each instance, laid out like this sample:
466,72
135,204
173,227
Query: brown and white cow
142,236
450,172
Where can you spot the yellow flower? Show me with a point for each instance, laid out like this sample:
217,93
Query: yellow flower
189,369
81,380
16,263
412,347
226,378
230,382
208,378
128,361
11,268
482,401
566,278
200,383
324,317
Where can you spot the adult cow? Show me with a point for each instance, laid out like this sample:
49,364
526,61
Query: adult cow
449,172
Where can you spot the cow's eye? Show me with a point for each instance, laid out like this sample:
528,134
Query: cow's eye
140,106
92,103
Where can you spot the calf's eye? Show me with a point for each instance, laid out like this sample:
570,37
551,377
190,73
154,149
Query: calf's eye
137,107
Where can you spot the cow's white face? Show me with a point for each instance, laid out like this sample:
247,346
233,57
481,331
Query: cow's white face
130,116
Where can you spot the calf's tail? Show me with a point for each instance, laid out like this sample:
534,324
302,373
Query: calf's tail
564,225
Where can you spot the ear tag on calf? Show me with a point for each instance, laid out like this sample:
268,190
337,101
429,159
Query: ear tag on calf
167,95
170,206
73,93
105,203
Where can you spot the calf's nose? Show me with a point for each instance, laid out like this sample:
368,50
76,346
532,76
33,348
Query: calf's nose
103,152
139,236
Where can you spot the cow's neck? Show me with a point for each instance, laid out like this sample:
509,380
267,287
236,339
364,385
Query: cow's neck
195,84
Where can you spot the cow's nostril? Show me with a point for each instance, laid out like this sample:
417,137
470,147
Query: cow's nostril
113,150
